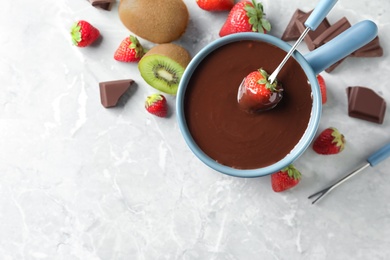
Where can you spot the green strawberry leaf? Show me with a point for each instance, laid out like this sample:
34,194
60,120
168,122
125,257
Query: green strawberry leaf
255,14
75,33
292,172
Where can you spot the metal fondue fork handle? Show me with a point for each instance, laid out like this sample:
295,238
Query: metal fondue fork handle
372,160
316,17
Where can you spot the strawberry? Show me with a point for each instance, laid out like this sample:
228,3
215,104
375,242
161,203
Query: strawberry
322,84
256,93
330,141
285,179
130,50
83,33
245,16
215,5
156,104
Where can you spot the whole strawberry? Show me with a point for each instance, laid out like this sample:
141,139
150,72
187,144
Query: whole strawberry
215,5
321,83
83,33
257,93
330,141
285,179
156,104
245,16
130,50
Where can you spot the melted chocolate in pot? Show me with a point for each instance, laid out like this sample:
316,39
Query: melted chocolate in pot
232,136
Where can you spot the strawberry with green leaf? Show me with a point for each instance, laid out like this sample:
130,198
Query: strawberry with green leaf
285,179
83,33
256,93
156,104
329,141
130,50
245,16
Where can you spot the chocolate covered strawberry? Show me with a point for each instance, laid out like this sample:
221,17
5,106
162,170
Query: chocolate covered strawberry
130,50
256,93
245,16
156,104
83,33
215,5
285,179
321,83
329,141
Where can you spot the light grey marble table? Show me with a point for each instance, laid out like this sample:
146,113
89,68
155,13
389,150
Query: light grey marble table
78,181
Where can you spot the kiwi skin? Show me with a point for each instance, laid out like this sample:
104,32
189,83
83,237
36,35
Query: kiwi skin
158,21
170,59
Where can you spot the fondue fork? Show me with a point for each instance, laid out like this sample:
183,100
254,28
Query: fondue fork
314,20
372,160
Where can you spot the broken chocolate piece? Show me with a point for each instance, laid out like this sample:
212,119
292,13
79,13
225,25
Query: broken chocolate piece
371,49
291,33
103,4
312,35
366,104
330,33
111,91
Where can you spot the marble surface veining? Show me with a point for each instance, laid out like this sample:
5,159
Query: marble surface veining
78,181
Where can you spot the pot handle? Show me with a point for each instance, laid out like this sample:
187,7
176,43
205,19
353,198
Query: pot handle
341,46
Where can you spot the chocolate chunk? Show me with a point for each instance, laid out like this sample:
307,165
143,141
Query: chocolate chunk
291,33
333,66
312,35
330,33
103,4
366,104
111,91
371,49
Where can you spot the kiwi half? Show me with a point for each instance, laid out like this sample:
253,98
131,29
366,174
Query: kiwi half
158,21
163,66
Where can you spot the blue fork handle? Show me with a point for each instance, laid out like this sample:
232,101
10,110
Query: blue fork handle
380,155
319,13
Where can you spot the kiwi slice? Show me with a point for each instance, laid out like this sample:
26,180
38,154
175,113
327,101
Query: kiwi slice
163,66
158,21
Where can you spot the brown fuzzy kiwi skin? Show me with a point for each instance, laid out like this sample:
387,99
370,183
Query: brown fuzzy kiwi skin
172,51
158,21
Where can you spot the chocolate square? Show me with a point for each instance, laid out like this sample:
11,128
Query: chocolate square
103,4
291,33
112,91
312,35
366,104
371,49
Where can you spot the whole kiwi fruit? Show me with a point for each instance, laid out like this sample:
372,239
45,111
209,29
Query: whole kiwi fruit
158,21
163,66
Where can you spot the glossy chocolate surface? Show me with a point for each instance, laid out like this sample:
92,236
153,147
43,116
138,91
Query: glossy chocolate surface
230,135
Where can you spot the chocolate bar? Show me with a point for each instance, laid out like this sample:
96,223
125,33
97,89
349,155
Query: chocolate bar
291,33
331,32
371,49
312,35
366,104
103,4
112,91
